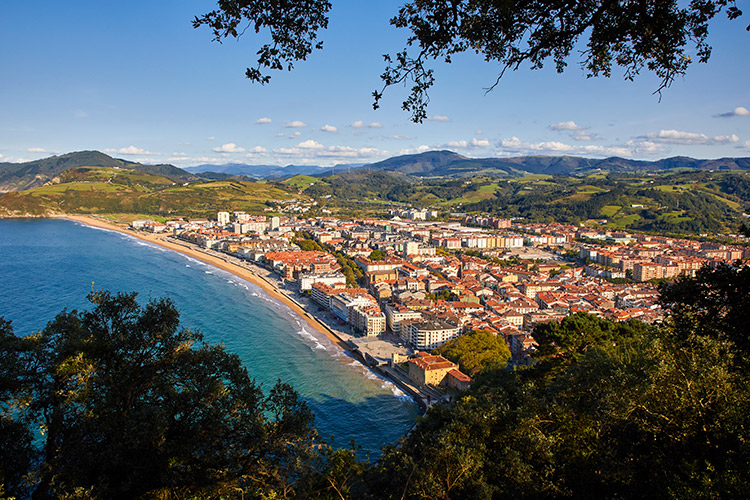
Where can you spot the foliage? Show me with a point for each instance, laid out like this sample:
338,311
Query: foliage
579,332
634,35
292,25
646,34
376,255
637,416
130,405
714,303
476,352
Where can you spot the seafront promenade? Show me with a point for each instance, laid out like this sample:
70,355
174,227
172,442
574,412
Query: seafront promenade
359,348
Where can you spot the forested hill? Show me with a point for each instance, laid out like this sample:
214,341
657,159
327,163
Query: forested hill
28,175
450,164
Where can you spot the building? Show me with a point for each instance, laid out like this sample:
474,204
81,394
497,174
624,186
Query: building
368,319
223,218
342,304
426,369
395,314
428,335
306,281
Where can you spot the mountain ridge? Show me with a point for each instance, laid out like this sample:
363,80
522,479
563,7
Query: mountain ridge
36,173
28,175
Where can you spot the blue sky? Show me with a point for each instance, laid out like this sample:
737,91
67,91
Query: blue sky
135,80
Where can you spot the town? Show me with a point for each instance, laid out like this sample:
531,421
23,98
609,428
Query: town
395,289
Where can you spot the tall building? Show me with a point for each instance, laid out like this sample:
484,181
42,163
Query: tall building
223,218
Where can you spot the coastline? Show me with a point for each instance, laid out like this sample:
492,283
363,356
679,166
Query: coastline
270,288
419,397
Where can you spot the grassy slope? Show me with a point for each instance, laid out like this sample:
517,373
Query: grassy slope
103,190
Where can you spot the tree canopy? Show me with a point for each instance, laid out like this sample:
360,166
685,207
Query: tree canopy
476,352
661,37
120,402
130,405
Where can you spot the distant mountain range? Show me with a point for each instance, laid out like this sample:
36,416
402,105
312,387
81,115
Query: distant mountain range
31,174
28,175
450,164
269,171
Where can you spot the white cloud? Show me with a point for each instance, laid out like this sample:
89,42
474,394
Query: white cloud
514,145
310,144
309,151
358,124
645,147
583,136
328,128
199,160
130,150
690,138
295,124
375,125
738,111
569,125
439,118
256,150
263,120
229,147
423,148
37,150
463,144
478,131
212,138
401,137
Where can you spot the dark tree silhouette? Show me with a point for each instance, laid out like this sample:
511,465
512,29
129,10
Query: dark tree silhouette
654,35
131,405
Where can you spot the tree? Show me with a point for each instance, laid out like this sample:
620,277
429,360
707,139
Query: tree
132,405
377,255
634,416
635,35
476,352
714,303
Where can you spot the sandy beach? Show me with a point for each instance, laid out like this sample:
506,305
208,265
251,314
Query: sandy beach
238,271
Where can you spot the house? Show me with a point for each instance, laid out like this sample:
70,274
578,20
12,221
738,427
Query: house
427,369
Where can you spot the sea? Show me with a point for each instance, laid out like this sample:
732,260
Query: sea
48,265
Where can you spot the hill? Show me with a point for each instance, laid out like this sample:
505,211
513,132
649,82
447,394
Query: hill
117,190
450,164
32,174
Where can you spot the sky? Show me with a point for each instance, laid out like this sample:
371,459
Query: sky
135,80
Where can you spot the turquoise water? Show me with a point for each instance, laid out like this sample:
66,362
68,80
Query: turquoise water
47,265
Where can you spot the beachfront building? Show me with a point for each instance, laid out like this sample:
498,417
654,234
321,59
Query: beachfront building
429,334
342,303
395,314
290,264
426,369
306,281
368,319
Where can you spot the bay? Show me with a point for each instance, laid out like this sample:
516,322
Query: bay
47,265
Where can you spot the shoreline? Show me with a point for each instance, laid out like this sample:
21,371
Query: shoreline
221,262
241,272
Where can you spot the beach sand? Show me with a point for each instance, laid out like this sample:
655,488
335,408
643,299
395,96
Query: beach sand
238,271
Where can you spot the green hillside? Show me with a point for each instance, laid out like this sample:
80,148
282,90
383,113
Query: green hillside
107,190
33,174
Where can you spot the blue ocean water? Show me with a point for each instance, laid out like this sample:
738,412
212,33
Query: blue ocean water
47,265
